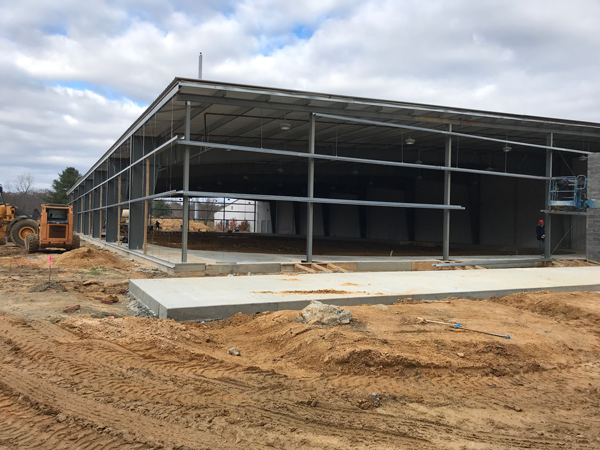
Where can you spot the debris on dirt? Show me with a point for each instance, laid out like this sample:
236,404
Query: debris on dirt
89,283
234,352
110,299
318,313
369,402
48,285
381,307
460,355
71,309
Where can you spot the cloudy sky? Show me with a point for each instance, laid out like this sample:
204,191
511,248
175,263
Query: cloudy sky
75,74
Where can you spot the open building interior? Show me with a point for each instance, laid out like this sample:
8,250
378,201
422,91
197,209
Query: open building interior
340,172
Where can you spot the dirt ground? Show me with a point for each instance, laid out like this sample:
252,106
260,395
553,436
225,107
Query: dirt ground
251,243
102,378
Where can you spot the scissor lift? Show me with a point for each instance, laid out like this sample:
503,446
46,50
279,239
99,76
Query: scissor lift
569,194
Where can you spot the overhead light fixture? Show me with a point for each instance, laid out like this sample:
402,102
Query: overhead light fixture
489,168
507,148
285,125
583,158
418,161
245,177
410,141
280,169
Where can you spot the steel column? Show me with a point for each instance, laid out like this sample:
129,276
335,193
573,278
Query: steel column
447,183
311,190
186,185
547,219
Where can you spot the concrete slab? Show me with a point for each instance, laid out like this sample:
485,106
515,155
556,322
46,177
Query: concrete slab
221,297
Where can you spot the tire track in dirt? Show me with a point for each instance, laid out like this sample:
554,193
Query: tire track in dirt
23,427
98,384
79,362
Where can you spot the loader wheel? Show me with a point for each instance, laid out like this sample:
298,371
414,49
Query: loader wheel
21,229
32,243
76,242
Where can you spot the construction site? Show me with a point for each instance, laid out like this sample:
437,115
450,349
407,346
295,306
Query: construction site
332,272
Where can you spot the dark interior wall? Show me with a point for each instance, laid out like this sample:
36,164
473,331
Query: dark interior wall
387,223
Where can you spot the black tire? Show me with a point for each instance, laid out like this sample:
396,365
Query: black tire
32,243
76,242
21,229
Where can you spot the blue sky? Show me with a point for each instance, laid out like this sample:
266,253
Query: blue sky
74,75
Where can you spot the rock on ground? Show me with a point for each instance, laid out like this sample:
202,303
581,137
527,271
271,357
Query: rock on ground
318,313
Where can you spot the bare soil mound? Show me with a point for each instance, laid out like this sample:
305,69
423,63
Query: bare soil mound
384,381
378,342
87,257
175,225
81,258
583,306
47,286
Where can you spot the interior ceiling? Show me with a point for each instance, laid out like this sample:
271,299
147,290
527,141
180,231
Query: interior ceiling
252,117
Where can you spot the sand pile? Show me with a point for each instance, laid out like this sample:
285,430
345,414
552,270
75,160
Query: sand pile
175,225
86,258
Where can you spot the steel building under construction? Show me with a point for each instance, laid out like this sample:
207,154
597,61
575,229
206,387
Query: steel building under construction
343,170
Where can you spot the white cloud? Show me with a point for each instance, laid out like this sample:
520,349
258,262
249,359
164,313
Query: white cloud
73,74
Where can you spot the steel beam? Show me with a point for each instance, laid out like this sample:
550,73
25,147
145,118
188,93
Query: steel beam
548,216
447,184
161,148
213,145
311,190
186,185
332,201
152,109
449,133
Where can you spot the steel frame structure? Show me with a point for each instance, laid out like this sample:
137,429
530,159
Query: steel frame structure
88,198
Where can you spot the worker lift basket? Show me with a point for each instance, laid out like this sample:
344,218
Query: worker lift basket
568,194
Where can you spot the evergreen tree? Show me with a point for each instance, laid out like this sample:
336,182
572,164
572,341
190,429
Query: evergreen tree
65,181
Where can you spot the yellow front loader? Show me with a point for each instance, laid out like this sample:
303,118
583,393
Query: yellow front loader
15,226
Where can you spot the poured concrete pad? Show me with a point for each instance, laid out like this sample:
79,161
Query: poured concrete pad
220,297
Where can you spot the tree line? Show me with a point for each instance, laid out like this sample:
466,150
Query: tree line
22,194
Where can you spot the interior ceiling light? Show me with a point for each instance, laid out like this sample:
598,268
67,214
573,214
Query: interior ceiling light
410,141
419,177
280,169
506,148
418,161
285,125
245,177
583,158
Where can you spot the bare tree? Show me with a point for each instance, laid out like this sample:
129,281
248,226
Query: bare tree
24,183
21,194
